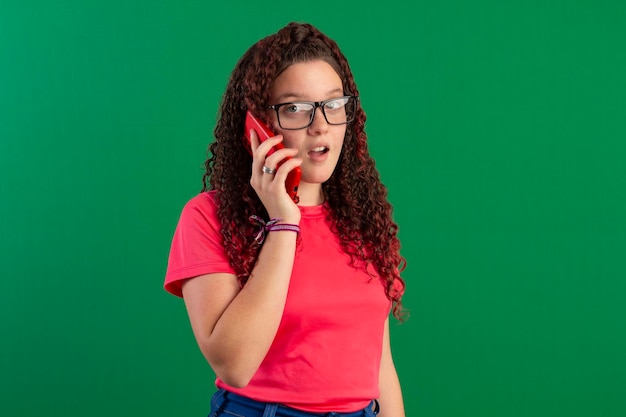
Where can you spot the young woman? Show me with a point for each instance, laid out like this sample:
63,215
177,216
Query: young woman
288,302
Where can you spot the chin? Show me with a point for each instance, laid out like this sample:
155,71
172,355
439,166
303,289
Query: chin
316,178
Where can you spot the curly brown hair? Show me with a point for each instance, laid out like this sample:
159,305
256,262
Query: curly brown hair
358,210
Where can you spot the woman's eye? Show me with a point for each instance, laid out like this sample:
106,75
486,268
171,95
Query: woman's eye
335,104
296,108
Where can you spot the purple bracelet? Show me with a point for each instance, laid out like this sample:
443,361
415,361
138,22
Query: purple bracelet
271,226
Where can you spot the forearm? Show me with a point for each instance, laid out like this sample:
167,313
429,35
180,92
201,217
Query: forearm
391,402
245,330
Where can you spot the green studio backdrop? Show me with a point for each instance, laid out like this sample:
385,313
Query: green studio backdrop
498,127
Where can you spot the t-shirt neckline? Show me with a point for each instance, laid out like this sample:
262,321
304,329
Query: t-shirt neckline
313,212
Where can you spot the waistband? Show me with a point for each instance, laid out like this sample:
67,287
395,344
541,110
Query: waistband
227,401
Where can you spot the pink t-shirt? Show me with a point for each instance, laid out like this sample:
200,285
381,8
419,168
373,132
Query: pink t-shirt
327,351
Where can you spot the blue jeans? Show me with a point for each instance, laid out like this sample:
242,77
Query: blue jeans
227,404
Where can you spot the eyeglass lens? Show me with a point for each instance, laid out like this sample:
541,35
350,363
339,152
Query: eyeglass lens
299,115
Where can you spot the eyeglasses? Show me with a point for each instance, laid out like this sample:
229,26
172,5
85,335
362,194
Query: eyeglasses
300,114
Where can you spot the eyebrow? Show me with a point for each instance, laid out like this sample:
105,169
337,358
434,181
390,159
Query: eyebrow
297,96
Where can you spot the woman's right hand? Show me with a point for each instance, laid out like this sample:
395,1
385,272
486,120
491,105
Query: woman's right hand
271,187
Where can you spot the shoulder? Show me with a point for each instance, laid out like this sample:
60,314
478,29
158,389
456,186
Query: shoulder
200,213
203,205
206,200
197,245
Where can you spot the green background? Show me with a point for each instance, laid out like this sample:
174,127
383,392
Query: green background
499,128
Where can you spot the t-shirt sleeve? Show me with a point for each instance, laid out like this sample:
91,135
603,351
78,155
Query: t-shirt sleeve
197,247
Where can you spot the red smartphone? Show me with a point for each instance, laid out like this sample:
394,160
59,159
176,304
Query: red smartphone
263,132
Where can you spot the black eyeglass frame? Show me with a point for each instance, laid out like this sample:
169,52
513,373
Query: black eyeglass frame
315,105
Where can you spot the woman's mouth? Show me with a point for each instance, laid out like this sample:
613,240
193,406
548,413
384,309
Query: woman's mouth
319,150
318,153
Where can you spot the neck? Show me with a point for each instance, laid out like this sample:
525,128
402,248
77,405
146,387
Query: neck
310,194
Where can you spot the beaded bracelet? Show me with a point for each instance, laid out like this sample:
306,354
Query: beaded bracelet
271,226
